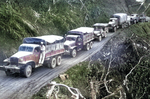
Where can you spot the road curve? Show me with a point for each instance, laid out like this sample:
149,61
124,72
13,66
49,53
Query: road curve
16,87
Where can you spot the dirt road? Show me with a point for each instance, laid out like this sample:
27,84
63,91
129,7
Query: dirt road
16,87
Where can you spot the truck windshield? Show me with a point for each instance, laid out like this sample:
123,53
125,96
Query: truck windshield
111,20
132,15
71,38
97,28
26,48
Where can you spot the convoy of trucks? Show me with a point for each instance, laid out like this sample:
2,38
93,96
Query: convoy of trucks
31,55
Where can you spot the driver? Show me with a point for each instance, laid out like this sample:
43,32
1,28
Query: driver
42,55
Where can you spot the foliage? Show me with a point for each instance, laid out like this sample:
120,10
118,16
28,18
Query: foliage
77,79
11,23
142,30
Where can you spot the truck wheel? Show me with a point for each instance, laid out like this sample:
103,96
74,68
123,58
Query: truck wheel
28,71
58,60
53,62
73,53
91,44
99,38
8,73
105,34
122,26
87,46
134,21
115,29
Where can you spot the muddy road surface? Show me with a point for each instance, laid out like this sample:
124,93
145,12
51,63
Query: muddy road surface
17,87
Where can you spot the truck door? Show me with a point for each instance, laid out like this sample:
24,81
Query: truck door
36,55
79,43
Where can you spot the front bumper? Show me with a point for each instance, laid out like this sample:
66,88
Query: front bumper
67,52
10,68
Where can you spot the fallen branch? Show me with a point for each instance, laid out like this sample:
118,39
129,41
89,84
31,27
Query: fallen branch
76,94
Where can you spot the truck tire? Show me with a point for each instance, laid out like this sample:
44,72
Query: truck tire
91,44
53,63
8,73
115,29
99,38
122,26
58,60
87,46
73,53
105,35
135,22
27,70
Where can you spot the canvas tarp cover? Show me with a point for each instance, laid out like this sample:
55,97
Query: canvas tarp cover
45,39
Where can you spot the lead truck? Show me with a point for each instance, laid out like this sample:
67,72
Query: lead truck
78,39
28,55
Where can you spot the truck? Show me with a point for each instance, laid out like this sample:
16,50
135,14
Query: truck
78,39
128,20
142,18
100,30
134,18
118,20
27,57
147,19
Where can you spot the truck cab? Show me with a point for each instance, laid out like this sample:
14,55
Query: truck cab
100,30
134,18
113,24
73,44
24,60
142,18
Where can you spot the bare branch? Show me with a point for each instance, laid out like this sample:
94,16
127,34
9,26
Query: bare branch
114,93
142,95
105,82
83,5
76,95
126,77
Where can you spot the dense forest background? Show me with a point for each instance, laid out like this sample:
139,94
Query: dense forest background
21,18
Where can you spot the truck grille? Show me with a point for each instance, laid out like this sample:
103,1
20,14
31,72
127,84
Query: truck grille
66,47
109,25
14,61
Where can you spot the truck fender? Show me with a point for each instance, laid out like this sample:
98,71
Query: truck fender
73,47
32,63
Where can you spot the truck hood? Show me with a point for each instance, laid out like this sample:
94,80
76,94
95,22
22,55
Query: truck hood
132,17
96,32
69,43
111,23
21,54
